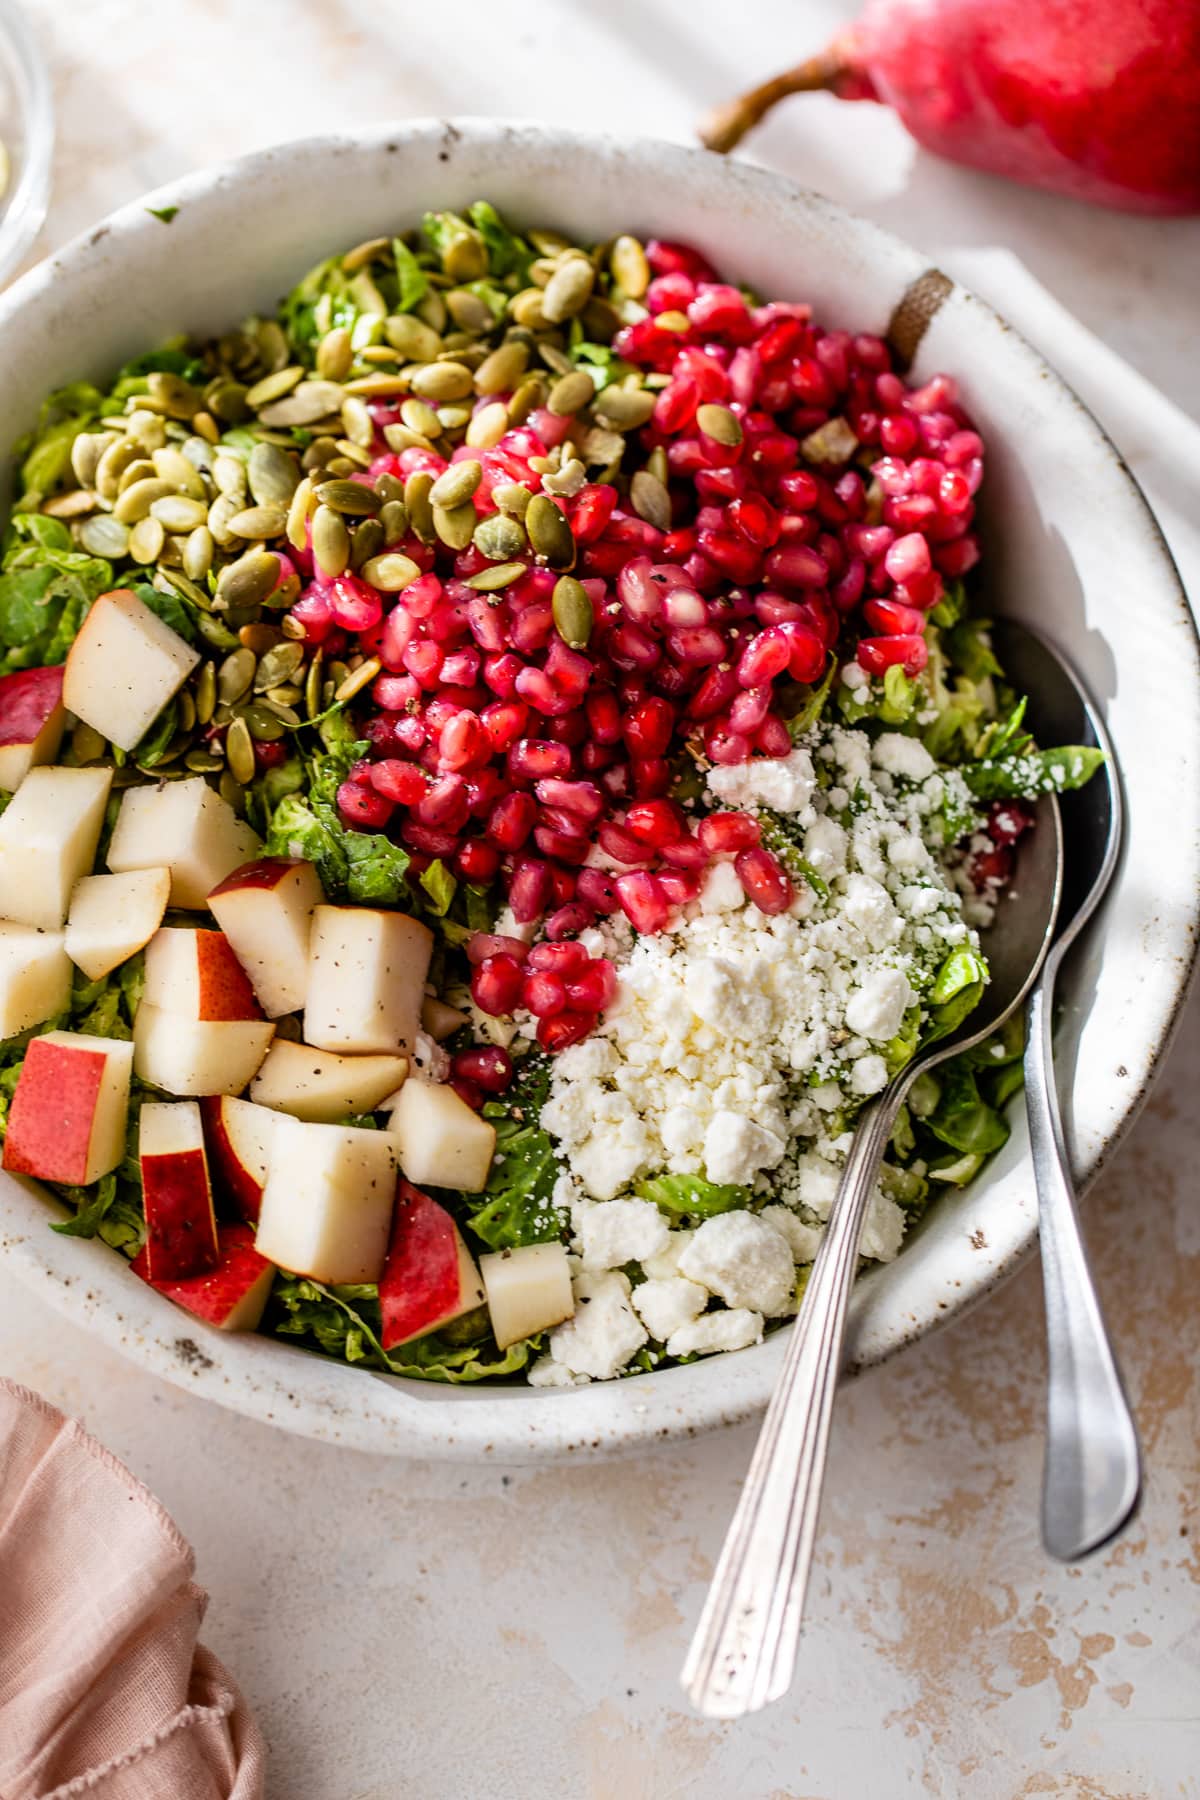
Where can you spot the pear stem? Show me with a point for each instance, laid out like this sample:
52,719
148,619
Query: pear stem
728,125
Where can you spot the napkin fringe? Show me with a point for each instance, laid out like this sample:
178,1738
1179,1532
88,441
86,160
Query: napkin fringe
183,1721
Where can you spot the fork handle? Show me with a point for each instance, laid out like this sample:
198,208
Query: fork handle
744,1650
1092,1475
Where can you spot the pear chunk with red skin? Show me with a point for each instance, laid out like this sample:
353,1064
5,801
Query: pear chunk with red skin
197,1056
32,716
440,1139
265,909
35,977
181,1227
187,827
123,667
231,1295
68,1115
429,1277
327,1206
195,973
112,917
239,1135
48,837
528,1289
319,1085
366,979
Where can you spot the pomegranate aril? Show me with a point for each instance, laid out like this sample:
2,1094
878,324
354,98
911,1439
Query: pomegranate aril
404,783
362,808
564,1029
568,921
765,656
685,853
749,709
484,944
543,994
583,798
496,985
679,885
430,839
877,655
562,960
464,743
564,845
722,833
533,759
696,646
487,1066
725,746
603,717
594,987
444,804
643,901
796,565
649,726
1009,820
528,891
354,605
598,891
500,673
806,652
764,880
891,619
773,737
511,820
651,777
477,862
654,822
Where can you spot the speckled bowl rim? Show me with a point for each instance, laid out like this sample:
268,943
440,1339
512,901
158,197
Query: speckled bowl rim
273,1382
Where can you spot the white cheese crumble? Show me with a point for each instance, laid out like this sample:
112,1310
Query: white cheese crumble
667,1304
605,1331
744,1260
733,1329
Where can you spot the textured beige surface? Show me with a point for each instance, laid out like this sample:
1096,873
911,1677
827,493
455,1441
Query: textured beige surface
422,1632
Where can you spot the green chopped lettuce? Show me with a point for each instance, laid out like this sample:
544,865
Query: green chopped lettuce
508,254
46,588
344,1322
412,282
517,1205
1026,774
690,1196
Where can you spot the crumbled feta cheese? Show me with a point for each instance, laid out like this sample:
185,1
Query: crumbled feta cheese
742,1260
735,1148
877,1009
783,783
734,1329
546,1373
868,1075
666,1304
803,1239
721,891
904,756
605,1331
883,1228
612,1232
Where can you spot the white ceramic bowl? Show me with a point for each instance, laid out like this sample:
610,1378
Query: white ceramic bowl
1071,545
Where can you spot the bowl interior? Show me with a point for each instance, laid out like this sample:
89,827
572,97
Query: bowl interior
1071,546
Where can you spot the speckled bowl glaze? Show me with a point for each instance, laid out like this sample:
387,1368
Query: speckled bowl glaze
1071,545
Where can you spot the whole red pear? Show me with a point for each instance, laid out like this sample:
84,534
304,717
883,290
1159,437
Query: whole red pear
1099,99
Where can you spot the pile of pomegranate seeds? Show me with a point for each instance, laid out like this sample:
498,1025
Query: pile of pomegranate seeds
808,503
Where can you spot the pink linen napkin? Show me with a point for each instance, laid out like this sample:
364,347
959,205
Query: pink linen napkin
104,1691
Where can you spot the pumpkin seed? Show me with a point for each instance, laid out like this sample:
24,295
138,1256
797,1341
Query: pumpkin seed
573,616
141,470
547,242
259,522
623,408
378,353
420,509
239,751
657,465
399,437
468,310
263,722
394,520
465,257
298,513
358,679
146,540
501,371
502,575
203,762
363,253
271,475
571,392
512,497
419,416
206,427
87,744
526,397
170,580
248,581
443,381
455,525
272,344
146,430
651,501
378,386
215,633
411,338
349,498
86,451
500,538
453,418
330,541
277,666
178,513
673,321
601,320
456,484
229,475
366,542
312,684
549,533
311,401
136,501
235,676
73,505
102,535
526,309
833,442
226,400
274,386
390,573
172,465
112,465
718,423
261,637
569,288
293,628
630,270
223,508
555,359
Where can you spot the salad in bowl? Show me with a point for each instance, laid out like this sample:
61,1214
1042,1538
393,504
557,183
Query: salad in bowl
500,763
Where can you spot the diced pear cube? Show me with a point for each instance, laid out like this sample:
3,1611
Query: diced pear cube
48,837
327,1206
112,917
366,979
442,1142
265,909
528,1289
32,716
197,1056
186,826
35,977
123,667
322,1086
68,1115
